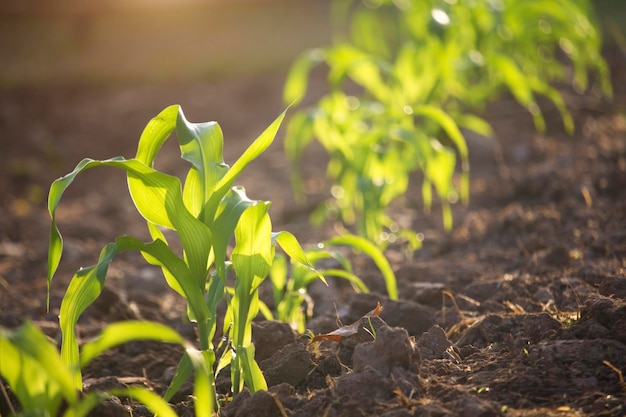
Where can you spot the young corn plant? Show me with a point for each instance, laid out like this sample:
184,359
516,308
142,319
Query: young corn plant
44,384
206,213
290,282
404,81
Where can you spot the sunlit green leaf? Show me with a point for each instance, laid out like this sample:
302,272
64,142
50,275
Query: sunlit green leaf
155,134
148,398
291,246
127,331
84,289
298,77
253,376
33,369
260,144
364,245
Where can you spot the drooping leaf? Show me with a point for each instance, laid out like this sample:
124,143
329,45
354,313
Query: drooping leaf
127,331
364,245
155,134
291,246
150,399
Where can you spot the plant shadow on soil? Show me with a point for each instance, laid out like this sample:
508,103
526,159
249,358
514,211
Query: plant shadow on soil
520,309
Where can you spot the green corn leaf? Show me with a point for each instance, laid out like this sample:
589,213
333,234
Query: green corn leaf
202,145
427,194
364,245
298,77
475,124
291,246
556,98
87,284
447,123
157,188
193,192
259,145
251,259
362,68
157,196
171,280
34,389
253,253
204,386
128,331
441,168
33,369
155,134
204,383
148,398
232,206
253,376
182,374
84,288
358,284
519,86
192,291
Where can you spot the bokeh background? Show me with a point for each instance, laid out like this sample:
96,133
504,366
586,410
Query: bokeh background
82,78
153,41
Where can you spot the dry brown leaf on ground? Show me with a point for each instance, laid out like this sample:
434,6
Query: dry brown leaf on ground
347,330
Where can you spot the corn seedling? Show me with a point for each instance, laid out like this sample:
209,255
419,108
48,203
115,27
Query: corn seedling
44,384
206,213
404,80
289,284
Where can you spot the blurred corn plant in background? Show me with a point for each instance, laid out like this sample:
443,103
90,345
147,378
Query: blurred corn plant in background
406,78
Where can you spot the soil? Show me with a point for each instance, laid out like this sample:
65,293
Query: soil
520,310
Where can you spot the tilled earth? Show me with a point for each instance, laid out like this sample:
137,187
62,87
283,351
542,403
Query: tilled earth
520,310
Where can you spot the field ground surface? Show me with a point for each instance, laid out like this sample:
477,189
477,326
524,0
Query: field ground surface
520,310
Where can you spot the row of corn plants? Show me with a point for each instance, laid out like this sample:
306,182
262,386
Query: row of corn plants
407,78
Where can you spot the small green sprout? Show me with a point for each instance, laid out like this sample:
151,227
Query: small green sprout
371,330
